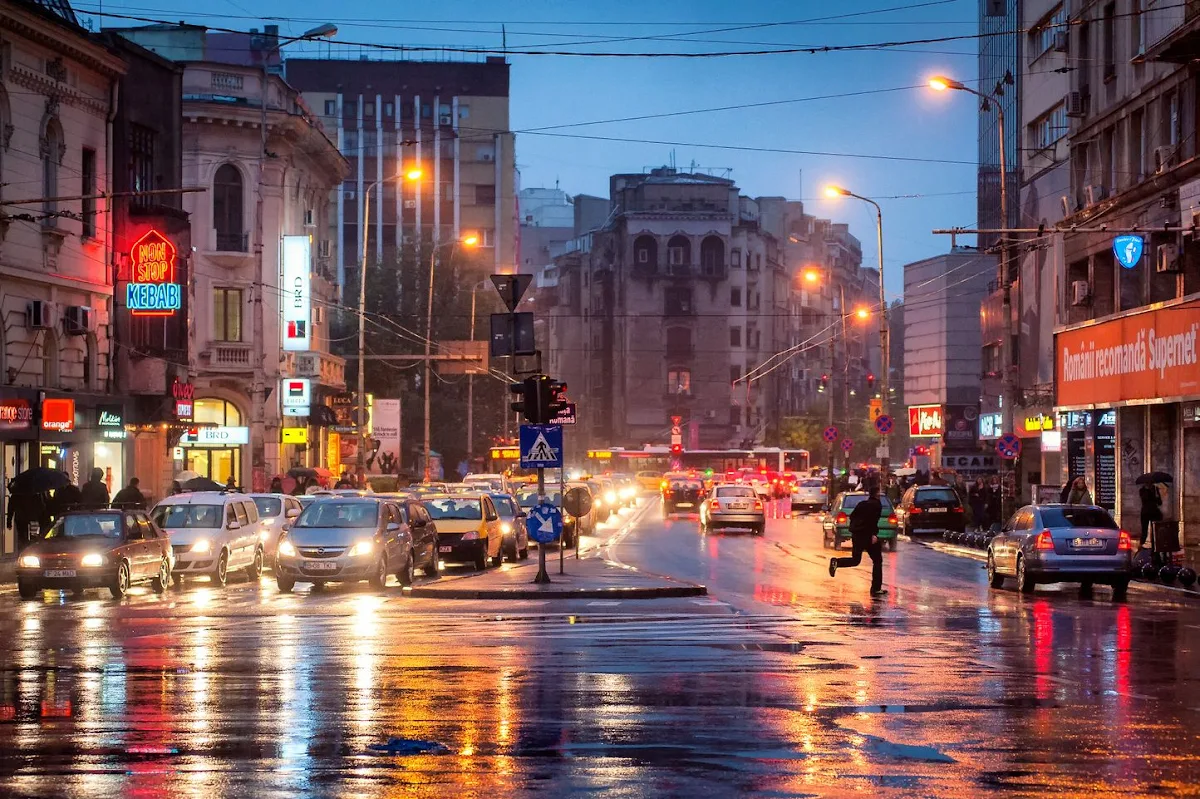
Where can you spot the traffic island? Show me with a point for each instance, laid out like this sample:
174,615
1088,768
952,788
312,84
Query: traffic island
591,578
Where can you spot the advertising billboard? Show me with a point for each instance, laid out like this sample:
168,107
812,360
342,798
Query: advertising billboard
296,254
925,420
386,430
960,427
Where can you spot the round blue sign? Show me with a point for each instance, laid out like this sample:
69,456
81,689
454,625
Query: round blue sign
1128,250
545,523
1008,446
884,424
830,434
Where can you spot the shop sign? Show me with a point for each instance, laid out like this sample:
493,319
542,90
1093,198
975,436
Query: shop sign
297,297
1039,422
1075,420
297,395
216,437
989,425
184,396
1051,440
969,463
1128,250
295,435
1147,355
153,289
961,427
1191,414
15,414
58,415
110,419
925,420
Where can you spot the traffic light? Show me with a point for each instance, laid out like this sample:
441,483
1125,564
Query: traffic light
824,384
870,382
519,404
558,399
677,449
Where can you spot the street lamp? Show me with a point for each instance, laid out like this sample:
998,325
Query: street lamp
884,343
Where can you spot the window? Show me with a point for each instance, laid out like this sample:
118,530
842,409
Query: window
216,411
227,209
712,256
485,195
677,301
1050,127
141,163
1109,35
753,261
735,297
1042,35
487,237
87,174
679,254
679,381
735,259
387,109
752,300
227,314
330,107
369,110
735,416
351,109
1171,102
735,337
1137,28
52,155
645,252
350,143
735,374
464,111
679,342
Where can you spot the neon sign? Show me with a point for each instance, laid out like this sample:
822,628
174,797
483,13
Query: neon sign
152,289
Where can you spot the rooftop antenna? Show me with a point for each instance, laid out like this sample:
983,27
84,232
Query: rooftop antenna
800,183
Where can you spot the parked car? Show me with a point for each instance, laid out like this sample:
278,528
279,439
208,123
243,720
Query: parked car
512,526
931,509
110,549
836,523
346,540
276,512
810,493
682,494
212,533
1061,544
733,506
468,529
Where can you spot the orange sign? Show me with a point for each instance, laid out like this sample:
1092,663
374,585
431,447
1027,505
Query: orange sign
1149,355
58,415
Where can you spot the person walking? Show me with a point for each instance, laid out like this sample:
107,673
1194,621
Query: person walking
176,488
994,506
864,535
231,484
130,496
1079,494
94,491
276,485
977,498
1151,509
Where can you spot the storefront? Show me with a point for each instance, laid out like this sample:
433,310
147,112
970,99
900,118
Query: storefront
18,441
216,450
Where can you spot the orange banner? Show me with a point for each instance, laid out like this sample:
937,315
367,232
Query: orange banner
1143,356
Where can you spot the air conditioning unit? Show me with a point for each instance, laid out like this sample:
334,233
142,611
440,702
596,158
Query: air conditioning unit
1081,292
1166,258
1066,205
1092,194
445,119
325,248
410,203
79,320
310,218
1061,42
1164,159
39,315
1076,104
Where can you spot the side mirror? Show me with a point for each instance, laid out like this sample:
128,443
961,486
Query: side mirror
234,525
418,523
291,513
392,527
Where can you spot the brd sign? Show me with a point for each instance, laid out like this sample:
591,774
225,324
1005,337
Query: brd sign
152,289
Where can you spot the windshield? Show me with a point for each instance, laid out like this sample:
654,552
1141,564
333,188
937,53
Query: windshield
269,506
455,508
850,501
812,483
527,499
339,514
735,491
935,495
182,517
77,526
1078,517
505,507
685,485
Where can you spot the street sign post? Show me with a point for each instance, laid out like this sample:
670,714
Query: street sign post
884,424
541,446
876,409
1008,446
577,502
830,434
545,524
566,415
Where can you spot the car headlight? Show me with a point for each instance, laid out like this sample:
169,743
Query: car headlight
31,561
505,528
610,497
286,549
93,559
361,548
264,535
201,546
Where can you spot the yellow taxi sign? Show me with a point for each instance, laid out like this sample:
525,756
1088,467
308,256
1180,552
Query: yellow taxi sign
295,435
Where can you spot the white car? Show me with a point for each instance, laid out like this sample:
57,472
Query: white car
276,512
810,493
212,533
488,482
761,485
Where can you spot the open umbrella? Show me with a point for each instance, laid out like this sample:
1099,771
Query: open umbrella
186,474
37,480
302,471
1154,477
202,484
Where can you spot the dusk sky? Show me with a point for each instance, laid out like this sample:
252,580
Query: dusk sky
880,105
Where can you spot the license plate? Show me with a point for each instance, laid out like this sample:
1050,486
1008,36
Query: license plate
320,566
936,510
445,549
684,504
59,573
740,506
1087,543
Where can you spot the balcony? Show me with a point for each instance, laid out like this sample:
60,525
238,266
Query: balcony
230,250
1174,32
228,357
327,370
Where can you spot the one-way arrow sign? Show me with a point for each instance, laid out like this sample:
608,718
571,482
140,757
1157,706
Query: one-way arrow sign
511,288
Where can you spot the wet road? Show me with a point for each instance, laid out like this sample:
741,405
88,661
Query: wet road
781,683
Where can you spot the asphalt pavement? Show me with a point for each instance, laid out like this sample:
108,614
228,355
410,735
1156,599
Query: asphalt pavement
781,682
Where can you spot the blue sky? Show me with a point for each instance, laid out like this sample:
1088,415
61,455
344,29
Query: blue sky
913,123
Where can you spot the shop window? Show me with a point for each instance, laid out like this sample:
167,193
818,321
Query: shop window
217,411
227,314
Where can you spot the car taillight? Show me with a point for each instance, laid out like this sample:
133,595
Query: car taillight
842,519
1044,541
824,489
758,504
714,505
1124,543
914,509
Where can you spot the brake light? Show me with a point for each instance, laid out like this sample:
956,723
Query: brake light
1044,541
714,505
914,510
758,504
1125,543
842,518
824,489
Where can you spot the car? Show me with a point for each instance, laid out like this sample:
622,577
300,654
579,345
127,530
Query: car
110,549
627,489
612,497
1061,544
648,481
931,509
682,494
809,493
212,533
468,528
733,505
496,483
276,512
760,483
836,523
351,539
512,526
601,510
338,492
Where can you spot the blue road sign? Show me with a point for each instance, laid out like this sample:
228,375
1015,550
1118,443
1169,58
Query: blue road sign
544,523
884,424
830,434
541,446
1128,250
1008,446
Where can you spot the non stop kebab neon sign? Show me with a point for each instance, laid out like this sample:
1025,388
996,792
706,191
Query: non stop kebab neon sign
152,289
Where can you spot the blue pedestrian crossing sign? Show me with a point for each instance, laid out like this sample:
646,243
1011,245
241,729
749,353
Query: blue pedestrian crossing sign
544,523
884,424
541,446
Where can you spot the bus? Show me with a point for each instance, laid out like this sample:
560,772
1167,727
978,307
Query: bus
716,461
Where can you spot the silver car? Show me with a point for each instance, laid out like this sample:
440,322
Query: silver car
733,506
276,512
1061,544
810,493
346,539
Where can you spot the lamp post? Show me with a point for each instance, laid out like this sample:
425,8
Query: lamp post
361,460
471,384
884,337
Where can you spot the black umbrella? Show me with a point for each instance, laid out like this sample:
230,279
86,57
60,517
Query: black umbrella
1154,477
38,480
202,484
302,471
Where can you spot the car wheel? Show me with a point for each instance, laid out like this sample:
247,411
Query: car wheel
523,553
163,578
760,529
1085,588
499,558
995,578
378,580
431,568
1120,590
1025,582
318,586
28,590
119,587
220,575
512,553
255,569
408,574
481,560
286,584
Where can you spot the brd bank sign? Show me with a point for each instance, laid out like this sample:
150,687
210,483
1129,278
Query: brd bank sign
153,289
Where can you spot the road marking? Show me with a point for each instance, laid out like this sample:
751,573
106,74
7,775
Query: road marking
603,604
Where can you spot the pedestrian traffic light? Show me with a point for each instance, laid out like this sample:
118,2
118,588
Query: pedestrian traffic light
870,382
824,384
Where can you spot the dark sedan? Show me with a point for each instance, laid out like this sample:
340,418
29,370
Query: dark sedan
931,509
97,549
682,496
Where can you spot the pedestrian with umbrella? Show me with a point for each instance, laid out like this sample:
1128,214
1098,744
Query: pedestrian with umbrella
202,484
1151,500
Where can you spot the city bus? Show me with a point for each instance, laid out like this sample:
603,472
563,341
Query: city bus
715,461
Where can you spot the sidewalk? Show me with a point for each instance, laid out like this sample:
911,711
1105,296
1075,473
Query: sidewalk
590,578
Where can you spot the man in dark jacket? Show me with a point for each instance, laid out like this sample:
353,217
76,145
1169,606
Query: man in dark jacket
95,492
130,496
864,534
